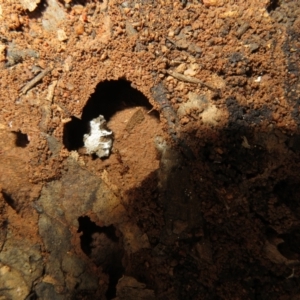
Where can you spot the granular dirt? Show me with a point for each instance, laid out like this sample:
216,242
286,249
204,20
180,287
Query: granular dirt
199,198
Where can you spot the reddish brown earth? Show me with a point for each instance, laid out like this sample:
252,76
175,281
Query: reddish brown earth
199,198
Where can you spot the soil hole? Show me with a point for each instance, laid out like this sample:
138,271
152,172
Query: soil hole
9,200
108,98
73,134
21,139
285,250
103,246
273,5
112,96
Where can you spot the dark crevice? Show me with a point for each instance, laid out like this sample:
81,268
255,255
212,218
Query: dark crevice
112,96
108,98
39,10
9,200
249,72
285,250
31,296
77,2
21,139
103,246
73,134
273,5
87,227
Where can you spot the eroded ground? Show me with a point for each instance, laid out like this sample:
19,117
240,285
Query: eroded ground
199,198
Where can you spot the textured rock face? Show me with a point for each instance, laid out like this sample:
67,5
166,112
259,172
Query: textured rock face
67,268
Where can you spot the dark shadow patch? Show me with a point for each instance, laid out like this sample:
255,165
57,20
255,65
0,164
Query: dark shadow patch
21,139
234,183
104,247
286,251
39,10
78,2
112,96
288,193
291,246
242,117
9,200
273,5
32,296
73,134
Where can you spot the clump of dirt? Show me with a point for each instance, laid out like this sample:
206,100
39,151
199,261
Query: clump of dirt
198,198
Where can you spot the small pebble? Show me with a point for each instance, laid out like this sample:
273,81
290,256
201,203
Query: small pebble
171,33
213,2
79,29
194,48
184,120
2,52
125,4
15,19
190,72
182,44
61,35
181,68
242,29
177,30
253,47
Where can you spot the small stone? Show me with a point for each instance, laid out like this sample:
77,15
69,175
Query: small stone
180,86
177,30
130,30
79,29
126,10
171,33
103,56
229,14
182,44
213,2
195,66
190,72
242,29
2,52
61,35
77,9
164,49
181,68
184,120
30,4
194,48
253,47
245,143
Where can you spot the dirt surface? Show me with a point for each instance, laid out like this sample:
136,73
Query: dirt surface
199,197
